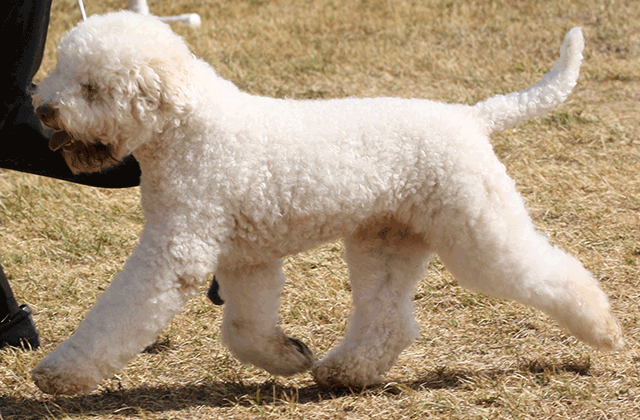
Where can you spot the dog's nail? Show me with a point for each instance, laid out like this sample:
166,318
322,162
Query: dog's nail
301,347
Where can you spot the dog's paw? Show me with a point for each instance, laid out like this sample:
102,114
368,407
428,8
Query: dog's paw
331,375
332,372
60,375
275,352
293,357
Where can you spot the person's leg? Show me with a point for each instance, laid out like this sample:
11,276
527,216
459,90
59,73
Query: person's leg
8,304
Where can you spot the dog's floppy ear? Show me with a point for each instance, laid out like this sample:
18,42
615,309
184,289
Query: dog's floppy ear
160,88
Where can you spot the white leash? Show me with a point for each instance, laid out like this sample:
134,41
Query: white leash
84,14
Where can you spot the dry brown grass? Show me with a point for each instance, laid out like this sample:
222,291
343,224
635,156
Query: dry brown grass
477,357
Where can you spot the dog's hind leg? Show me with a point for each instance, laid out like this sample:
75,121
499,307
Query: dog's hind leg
250,330
488,242
385,262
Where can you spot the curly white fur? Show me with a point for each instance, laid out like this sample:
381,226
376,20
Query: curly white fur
232,183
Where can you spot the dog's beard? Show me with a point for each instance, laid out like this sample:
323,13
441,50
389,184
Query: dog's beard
83,157
80,156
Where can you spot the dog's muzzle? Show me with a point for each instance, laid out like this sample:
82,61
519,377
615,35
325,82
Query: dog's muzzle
48,115
79,156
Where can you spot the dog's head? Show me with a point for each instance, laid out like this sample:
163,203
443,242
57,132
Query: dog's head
121,80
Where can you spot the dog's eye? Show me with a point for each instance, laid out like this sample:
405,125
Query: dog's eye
90,91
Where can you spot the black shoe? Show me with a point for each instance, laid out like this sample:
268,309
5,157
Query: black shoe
213,292
19,330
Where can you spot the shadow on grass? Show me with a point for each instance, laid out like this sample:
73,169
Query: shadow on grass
156,399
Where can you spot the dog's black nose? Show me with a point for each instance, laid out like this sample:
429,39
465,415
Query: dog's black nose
47,114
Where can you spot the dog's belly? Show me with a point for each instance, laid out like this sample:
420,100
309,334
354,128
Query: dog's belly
255,247
258,246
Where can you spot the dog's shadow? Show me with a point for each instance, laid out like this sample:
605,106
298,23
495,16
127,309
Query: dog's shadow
150,399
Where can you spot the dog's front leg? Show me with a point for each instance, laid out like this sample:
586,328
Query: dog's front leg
250,330
127,317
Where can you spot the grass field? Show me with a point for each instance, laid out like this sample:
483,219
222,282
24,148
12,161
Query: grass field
477,357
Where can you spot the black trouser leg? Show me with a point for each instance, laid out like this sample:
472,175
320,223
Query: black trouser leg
8,304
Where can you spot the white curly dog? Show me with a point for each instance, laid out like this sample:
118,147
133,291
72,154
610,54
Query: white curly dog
232,183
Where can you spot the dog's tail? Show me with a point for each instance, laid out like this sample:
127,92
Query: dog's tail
505,111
